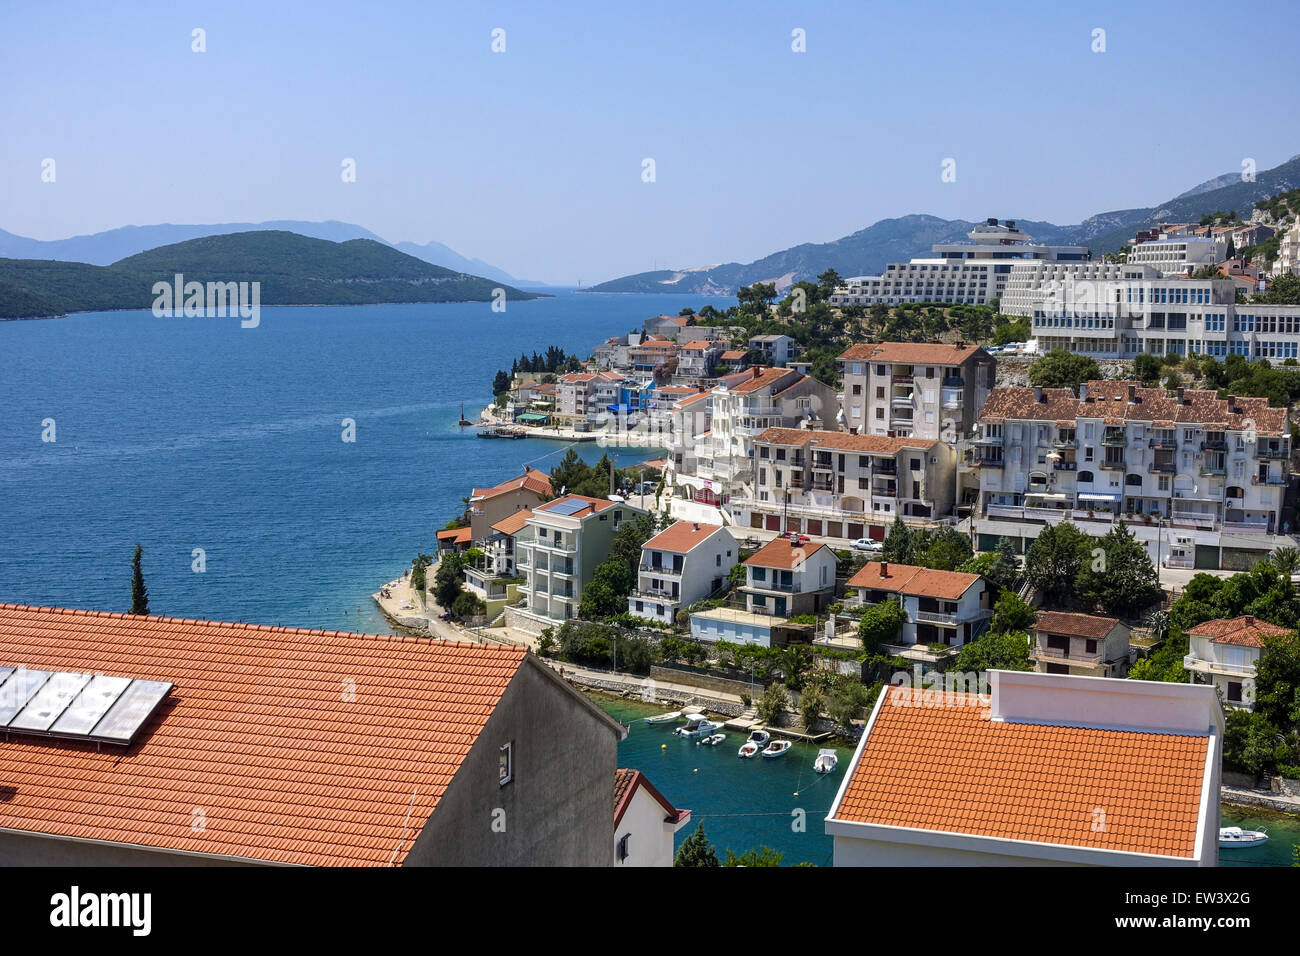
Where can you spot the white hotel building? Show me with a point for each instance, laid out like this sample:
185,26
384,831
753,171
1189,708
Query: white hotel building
973,273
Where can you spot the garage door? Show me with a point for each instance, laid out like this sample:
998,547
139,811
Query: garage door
773,523
1207,557
876,532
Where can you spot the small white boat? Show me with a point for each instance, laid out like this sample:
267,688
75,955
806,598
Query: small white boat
776,748
697,726
1237,837
755,743
667,718
826,761
712,741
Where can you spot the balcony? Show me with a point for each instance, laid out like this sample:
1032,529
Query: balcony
658,595
952,403
1065,466
1066,656
1169,444
937,617
1273,454
988,463
997,440
1246,527
1114,439
1162,468
1278,480
1214,444
954,381
889,469
1065,442
659,569
1197,519
902,380
1193,663
1212,470
791,587
901,401
1111,465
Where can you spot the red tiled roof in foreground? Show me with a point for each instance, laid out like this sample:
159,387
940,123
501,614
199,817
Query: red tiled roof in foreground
1070,624
1244,631
626,783
257,734
951,768
681,537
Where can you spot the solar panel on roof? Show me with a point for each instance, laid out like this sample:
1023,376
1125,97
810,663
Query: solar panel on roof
131,710
48,703
96,707
91,705
18,690
571,507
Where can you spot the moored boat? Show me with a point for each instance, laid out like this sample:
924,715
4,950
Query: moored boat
757,741
826,760
712,740
1230,837
696,726
667,718
777,748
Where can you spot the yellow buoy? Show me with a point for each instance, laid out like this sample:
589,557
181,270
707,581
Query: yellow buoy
663,746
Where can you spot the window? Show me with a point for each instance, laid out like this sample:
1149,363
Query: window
916,464
623,846
1092,646
507,763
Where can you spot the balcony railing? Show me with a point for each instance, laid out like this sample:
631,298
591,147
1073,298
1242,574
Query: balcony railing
938,617
1208,469
659,596
1162,468
660,569
954,382
1170,444
794,587
1193,663
988,463
1065,443
1246,527
989,440
1199,519
1111,465
1273,454
1065,465
1114,439
1214,444
1043,652
1268,480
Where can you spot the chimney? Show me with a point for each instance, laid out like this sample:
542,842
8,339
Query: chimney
960,346
1132,392
1250,619
1038,393
755,371
695,526
884,569
1083,392
1178,395
1232,404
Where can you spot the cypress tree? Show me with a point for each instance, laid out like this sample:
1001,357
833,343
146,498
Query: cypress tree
139,593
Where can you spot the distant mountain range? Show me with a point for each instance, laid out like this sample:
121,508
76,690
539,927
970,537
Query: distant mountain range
292,270
105,248
867,251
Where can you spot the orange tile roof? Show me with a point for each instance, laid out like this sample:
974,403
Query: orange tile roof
627,782
751,382
913,353
913,580
255,734
514,523
456,535
952,769
699,345
1074,625
1109,400
681,537
843,441
690,399
782,553
732,354
1245,631
597,505
537,482
676,319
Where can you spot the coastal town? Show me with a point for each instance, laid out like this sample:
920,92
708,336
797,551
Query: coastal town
807,549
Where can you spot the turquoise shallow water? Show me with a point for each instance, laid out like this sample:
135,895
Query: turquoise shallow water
1283,833
742,803
196,433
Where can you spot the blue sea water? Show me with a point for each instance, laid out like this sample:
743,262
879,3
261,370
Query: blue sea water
196,433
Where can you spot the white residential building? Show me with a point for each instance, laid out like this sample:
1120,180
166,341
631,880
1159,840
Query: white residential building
775,349
1213,471
948,608
972,272
645,823
1178,255
559,548
684,563
1226,654
1035,770
790,576
1083,644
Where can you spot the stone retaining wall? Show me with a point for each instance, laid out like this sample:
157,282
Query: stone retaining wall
1255,798
722,685
523,622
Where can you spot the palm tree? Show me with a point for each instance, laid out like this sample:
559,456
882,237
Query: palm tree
1287,561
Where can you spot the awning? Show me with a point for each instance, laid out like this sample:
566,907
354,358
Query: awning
1048,497
1092,497
532,417
619,409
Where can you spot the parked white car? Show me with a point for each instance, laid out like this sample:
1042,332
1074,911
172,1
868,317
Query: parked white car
867,544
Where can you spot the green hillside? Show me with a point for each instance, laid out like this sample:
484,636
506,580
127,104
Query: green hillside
292,270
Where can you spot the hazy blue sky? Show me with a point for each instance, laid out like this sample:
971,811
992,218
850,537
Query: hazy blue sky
531,159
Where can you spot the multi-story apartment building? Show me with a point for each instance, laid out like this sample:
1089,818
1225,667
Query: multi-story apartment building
1288,252
948,608
1085,644
684,563
558,549
1226,654
492,576
972,272
743,406
1178,255
1124,317
775,349
697,358
918,390
1215,471
837,485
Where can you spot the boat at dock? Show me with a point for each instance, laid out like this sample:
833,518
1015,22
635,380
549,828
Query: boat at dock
711,741
777,748
697,726
501,433
667,718
1231,837
826,760
757,741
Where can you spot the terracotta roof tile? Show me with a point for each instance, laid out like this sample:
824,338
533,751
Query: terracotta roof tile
782,553
758,377
952,769
257,733
843,441
913,353
532,480
1074,625
682,537
597,505
1245,631
514,523
910,579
